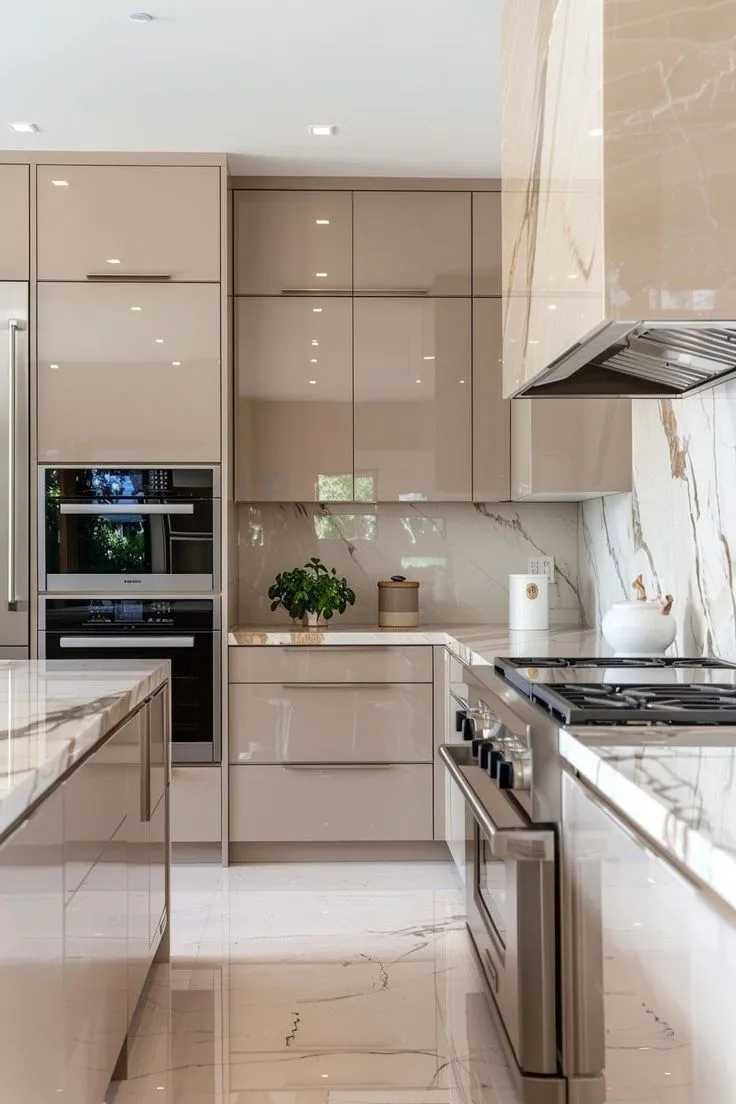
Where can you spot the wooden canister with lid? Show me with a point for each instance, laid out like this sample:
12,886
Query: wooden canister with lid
398,603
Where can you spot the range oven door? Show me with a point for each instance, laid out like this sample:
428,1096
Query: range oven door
129,529
511,914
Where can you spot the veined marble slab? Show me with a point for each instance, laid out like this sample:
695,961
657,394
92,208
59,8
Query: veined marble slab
680,795
53,712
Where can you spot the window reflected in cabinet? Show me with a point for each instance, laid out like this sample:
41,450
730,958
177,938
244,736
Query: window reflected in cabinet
294,415
412,381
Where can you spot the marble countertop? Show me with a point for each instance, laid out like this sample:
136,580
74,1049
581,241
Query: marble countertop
53,712
472,644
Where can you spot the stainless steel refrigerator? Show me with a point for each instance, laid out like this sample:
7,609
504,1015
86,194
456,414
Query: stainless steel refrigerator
14,472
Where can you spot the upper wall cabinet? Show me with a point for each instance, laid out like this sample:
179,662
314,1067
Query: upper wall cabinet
292,241
412,399
128,373
412,243
14,222
487,243
115,221
294,395
491,413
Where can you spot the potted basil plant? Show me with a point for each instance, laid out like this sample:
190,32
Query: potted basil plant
311,594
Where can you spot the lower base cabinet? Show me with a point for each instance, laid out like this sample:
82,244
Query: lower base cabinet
381,802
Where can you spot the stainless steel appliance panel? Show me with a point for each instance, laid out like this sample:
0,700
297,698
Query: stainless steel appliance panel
14,466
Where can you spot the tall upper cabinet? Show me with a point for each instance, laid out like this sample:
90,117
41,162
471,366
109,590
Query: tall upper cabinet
131,251
14,222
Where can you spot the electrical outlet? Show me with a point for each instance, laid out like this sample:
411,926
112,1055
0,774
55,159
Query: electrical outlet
542,565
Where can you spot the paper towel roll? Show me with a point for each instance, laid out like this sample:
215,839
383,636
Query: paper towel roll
528,603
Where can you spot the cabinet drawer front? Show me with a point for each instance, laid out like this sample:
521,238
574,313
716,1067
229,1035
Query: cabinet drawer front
281,804
317,723
320,663
160,376
155,220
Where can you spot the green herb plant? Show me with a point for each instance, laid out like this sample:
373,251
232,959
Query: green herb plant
313,588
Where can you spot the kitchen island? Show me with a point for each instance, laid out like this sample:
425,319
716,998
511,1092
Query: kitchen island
84,860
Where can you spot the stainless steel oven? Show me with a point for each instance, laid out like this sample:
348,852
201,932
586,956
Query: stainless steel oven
129,529
511,913
186,631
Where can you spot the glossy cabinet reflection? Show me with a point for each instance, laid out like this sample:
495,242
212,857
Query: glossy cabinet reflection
128,220
293,241
14,222
150,395
412,243
412,367
487,279
491,412
294,399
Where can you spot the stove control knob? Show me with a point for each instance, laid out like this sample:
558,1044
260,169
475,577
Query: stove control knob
476,745
496,758
506,775
468,728
460,716
486,751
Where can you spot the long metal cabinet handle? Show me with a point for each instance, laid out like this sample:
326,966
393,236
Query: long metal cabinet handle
128,277
145,756
340,766
335,685
13,327
126,508
126,642
520,844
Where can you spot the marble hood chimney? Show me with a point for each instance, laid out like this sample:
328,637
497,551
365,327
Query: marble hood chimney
619,196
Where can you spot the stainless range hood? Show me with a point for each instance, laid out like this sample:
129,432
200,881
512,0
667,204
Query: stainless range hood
642,360
618,219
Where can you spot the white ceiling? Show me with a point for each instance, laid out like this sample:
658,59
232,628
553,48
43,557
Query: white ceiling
413,85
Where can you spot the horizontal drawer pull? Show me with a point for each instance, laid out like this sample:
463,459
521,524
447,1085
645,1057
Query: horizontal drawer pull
128,277
340,647
335,685
339,766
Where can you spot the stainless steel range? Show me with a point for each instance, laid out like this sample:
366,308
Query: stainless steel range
519,905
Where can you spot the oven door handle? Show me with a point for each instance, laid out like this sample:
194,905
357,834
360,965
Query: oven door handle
103,642
96,508
517,844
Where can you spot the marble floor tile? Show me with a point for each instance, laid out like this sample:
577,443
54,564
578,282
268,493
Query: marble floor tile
316,984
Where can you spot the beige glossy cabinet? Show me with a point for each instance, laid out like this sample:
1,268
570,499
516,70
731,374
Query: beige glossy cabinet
487,278
115,221
491,412
293,241
570,449
294,399
14,222
128,373
412,380
412,243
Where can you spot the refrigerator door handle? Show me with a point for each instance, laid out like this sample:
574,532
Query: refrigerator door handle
12,598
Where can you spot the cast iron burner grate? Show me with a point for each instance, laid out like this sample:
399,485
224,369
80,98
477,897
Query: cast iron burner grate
515,671
611,703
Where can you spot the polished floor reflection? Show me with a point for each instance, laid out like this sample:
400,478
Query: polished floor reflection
316,984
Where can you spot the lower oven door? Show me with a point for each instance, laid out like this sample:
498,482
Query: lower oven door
511,912
195,679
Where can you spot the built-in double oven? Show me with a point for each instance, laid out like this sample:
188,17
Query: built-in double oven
129,567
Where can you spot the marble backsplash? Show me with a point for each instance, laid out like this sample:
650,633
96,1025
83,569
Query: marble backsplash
461,553
678,527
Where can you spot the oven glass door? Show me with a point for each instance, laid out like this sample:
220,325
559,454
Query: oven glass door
492,889
193,658
142,529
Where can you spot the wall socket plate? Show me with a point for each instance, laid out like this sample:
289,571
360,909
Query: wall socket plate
542,565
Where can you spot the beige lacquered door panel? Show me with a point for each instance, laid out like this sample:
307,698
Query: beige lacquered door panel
154,220
294,416
412,379
412,243
151,395
381,802
487,268
302,663
491,412
317,723
14,222
293,241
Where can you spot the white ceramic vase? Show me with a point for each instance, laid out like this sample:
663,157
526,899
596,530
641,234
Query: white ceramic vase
639,628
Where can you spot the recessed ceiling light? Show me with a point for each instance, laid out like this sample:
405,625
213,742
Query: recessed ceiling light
322,130
137,308
24,128
60,183
176,364
321,275
596,132
159,341
113,260
140,17
316,310
429,357
312,382
322,222
53,366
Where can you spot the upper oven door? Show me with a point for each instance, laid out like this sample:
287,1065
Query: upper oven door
136,529
511,911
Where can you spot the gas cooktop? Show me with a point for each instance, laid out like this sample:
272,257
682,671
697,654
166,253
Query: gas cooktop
627,691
